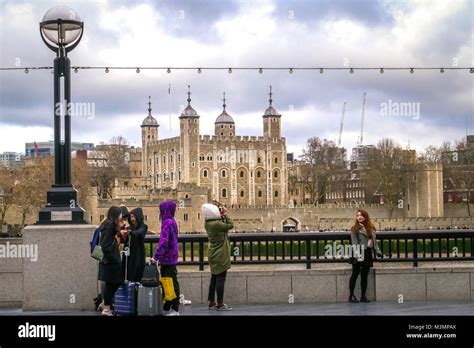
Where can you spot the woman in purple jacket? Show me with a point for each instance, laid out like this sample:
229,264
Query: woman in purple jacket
167,252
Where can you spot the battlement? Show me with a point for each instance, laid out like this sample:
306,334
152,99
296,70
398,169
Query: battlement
174,140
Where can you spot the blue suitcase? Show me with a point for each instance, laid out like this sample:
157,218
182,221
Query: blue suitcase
126,299
126,296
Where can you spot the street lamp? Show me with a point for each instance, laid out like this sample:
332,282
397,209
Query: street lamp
61,30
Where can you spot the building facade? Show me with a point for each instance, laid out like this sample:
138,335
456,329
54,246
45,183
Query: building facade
237,170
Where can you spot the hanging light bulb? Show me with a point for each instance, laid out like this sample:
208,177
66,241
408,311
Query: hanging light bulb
76,70
381,70
107,70
412,70
291,70
351,70
138,70
260,71
168,71
199,70
230,70
321,70
26,71
471,71
441,70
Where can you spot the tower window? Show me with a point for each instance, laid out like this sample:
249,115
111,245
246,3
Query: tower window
201,157
222,133
276,193
259,193
230,134
276,160
259,160
275,174
241,173
241,193
224,173
224,193
222,126
205,173
179,175
185,217
259,174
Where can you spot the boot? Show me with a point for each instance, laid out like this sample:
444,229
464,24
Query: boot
353,299
364,299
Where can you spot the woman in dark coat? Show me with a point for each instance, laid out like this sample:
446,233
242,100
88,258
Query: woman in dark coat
110,267
136,243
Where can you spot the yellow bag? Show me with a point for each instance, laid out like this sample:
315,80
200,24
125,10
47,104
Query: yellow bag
168,288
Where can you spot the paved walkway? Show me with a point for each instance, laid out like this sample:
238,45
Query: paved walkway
439,308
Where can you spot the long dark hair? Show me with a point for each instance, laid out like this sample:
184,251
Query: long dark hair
113,215
369,226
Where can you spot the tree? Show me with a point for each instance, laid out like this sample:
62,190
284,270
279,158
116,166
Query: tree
111,163
323,158
6,192
388,165
30,188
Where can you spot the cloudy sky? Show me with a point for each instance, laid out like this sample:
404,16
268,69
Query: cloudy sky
225,33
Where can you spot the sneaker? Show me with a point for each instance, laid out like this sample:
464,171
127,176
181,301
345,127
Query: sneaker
353,299
172,313
187,303
212,306
223,307
364,299
107,312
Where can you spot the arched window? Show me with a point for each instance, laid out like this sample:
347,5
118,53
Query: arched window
241,193
205,174
224,173
259,174
201,157
276,194
259,193
275,174
241,173
259,160
276,160
224,193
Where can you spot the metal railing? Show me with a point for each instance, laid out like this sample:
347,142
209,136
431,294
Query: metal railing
314,247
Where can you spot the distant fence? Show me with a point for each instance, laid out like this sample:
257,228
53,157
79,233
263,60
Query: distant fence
310,248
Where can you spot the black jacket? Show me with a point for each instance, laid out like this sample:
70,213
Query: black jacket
109,268
136,242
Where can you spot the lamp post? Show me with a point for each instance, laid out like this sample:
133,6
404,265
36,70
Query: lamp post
61,30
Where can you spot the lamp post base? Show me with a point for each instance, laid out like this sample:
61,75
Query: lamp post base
61,207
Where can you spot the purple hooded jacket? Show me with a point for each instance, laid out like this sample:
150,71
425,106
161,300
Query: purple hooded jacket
167,251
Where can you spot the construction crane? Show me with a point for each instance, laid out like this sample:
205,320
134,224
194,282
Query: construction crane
361,139
342,124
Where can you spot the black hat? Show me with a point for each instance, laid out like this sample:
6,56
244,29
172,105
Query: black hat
125,212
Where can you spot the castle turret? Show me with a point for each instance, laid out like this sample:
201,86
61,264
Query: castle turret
224,125
271,120
189,142
149,134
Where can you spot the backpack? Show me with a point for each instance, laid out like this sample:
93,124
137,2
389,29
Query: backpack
95,239
151,276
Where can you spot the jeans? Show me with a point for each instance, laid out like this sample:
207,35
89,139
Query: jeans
217,286
171,271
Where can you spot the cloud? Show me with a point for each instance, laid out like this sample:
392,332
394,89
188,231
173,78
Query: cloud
248,34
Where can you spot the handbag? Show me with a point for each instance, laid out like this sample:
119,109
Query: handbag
168,288
97,253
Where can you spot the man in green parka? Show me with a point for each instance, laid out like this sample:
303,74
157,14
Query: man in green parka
217,225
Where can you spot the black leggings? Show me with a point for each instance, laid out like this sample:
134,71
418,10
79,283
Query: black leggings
217,286
109,291
363,269
171,271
